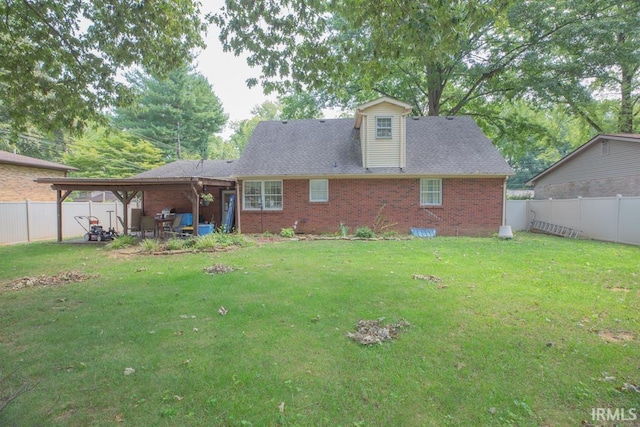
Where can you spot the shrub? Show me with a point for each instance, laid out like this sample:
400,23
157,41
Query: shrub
176,244
364,232
287,232
150,245
343,229
121,242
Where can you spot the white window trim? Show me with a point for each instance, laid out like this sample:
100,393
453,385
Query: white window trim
424,192
326,194
262,196
390,128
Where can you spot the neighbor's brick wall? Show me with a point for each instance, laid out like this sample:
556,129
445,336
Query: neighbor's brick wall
470,207
605,187
18,185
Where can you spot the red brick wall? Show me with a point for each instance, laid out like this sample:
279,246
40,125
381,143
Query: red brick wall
469,207
17,183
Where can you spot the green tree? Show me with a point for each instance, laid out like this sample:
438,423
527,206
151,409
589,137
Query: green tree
593,57
437,55
179,114
299,105
243,129
59,60
102,153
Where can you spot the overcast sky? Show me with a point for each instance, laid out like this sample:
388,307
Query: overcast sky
228,74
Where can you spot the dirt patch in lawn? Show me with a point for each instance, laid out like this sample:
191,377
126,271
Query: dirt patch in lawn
617,337
46,281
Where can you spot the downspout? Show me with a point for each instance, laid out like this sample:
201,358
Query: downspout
504,201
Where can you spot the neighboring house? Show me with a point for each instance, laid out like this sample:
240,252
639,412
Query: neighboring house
157,200
384,170
17,174
605,166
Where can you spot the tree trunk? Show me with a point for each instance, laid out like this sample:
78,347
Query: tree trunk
625,117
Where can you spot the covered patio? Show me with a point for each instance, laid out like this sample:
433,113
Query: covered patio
126,189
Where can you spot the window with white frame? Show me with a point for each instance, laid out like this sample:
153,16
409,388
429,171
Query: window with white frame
318,190
430,192
383,127
265,195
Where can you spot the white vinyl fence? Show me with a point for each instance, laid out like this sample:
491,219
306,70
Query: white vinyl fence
613,219
29,221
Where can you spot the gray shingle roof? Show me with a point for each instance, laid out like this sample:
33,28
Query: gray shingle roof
18,159
435,146
192,168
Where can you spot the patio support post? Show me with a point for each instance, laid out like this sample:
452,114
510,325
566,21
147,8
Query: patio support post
194,198
59,199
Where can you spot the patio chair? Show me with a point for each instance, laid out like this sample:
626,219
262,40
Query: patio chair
175,228
134,223
147,223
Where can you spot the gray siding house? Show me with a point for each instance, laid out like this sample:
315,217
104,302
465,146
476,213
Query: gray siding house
607,165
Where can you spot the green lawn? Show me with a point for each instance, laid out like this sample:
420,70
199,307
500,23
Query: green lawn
536,330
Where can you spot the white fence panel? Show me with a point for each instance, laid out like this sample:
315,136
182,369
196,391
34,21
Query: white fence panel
14,227
28,221
71,227
566,213
517,214
629,225
613,219
599,217
42,220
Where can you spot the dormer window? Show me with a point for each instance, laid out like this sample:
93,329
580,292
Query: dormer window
383,127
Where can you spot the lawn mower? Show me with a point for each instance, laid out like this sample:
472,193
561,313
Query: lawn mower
94,230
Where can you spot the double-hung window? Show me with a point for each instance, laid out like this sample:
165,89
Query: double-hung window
383,127
430,192
318,190
265,195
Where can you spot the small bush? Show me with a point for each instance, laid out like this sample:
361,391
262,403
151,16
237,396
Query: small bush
150,245
122,242
176,244
287,232
365,232
343,229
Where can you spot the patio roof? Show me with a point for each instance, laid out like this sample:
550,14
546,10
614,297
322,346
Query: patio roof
125,189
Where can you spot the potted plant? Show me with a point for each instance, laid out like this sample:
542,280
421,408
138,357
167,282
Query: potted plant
206,198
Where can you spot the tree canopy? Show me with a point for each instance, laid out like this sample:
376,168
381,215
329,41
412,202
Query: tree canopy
178,114
102,153
445,58
60,59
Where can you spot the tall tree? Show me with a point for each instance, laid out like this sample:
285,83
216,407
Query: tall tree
179,114
243,129
102,153
437,55
59,59
594,55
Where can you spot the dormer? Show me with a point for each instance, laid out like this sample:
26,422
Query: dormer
383,137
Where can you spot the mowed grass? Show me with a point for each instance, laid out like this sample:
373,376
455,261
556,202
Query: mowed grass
533,331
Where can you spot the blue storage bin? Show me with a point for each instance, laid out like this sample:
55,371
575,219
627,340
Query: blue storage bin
187,219
205,229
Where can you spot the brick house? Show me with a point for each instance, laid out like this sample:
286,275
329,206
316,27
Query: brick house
17,174
605,166
383,170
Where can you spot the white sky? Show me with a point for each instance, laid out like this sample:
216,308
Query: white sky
228,74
